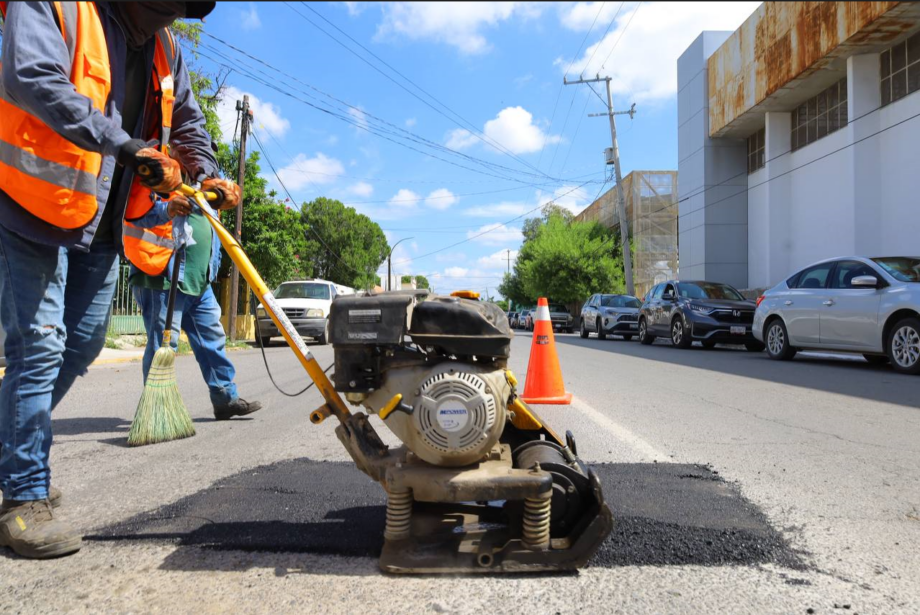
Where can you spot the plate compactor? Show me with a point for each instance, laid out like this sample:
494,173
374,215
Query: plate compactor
480,483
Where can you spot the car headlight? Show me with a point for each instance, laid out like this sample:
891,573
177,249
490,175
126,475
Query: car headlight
261,313
315,313
700,309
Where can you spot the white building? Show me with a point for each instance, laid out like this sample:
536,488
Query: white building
799,139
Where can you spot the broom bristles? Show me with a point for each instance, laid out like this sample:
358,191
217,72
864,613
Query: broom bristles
161,414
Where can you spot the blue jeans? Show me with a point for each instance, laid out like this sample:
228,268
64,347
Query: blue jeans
54,308
200,318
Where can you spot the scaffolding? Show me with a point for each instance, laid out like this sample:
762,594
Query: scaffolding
651,211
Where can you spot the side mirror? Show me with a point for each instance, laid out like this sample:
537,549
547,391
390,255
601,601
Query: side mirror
668,297
865,281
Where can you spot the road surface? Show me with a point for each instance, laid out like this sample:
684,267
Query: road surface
738,484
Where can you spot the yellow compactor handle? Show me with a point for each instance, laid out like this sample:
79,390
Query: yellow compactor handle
293,339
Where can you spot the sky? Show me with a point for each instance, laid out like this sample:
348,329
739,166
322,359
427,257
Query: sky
448,123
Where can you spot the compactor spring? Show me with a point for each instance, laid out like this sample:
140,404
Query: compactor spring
536,521
399,514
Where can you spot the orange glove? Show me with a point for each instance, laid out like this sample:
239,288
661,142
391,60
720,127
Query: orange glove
179,205
157,171
229,195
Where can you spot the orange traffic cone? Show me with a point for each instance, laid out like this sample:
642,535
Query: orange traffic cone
544,378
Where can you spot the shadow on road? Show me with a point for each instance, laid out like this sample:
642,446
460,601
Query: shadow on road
665,514
845,375
77,426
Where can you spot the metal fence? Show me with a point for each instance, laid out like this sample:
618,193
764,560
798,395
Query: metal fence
125,316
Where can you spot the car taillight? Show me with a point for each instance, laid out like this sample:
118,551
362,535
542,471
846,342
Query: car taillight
760,300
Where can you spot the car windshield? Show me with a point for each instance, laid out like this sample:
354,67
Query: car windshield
558,309
901,268
708,290
620,301
302,290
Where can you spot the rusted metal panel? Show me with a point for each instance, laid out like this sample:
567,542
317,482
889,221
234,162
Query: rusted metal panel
782,42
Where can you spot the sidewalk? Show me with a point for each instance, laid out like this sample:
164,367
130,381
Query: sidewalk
109,355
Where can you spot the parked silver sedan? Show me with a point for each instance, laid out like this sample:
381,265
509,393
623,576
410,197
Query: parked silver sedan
869,306
610,315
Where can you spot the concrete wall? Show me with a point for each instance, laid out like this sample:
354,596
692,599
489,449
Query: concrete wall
712,179
853,192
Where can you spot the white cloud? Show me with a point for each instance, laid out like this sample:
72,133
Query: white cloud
495,235
503,210
520,82
360,118
456,272
302,171
411,122
266,116
355,8
498,260
405,198
249,20
363,189
659,33
332,140
460,138
458,24
581,15
573,198
513,128
442,198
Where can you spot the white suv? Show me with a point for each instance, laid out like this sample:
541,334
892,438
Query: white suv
306,303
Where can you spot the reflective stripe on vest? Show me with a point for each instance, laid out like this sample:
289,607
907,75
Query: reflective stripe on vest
47,175
150,249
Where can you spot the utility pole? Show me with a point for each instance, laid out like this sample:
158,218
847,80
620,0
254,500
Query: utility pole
621,200
389,274
241,108
509,262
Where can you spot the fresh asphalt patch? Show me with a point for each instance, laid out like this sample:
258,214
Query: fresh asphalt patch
664,514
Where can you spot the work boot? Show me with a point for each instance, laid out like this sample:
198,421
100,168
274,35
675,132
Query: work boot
237,407
55,497
30,529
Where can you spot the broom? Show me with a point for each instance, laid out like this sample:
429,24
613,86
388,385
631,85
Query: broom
161,414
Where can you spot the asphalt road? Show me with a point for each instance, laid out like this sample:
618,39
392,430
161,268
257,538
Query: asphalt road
738,485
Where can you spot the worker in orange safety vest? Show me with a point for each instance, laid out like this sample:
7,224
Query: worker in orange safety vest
89,91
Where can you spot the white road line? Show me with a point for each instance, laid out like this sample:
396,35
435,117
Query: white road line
621,433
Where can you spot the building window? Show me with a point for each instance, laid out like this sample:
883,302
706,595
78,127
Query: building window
820,116
756,147
900,70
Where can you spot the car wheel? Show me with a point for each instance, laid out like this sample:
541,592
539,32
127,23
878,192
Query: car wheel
645,337
265,341
680,337
778,341
904,346
754,346
583,332
601,334
627,337
708,345
876,359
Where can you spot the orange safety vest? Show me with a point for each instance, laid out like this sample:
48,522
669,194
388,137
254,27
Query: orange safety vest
42,171
150,249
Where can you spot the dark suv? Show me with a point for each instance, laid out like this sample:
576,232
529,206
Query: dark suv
707,312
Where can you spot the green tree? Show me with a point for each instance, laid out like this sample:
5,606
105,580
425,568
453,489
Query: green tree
352,246
532,225
513,288
567,262
420,281
502,303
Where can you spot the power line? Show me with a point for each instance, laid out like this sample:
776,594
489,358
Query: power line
481,136
559,93
604,63
365,125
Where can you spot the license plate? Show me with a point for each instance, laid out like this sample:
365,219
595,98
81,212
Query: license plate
633,326
738,330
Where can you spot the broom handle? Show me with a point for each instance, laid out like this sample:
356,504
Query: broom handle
237,255
171,302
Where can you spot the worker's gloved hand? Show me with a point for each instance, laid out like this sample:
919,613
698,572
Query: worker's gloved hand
179,205
229,195
156,170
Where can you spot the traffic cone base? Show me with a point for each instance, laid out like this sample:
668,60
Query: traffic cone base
564,400
544,383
